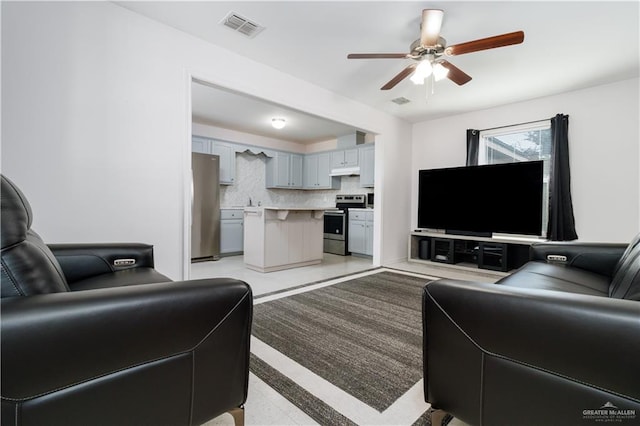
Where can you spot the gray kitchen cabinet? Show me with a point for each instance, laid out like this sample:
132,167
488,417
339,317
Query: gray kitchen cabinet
227,154
201,145
369,235
367,166
316,172
231,231
361,231
284,170
344,158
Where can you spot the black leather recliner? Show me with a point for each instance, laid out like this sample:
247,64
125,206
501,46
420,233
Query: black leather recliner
555,343
84,343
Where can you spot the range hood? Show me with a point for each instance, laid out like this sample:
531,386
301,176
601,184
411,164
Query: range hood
345,171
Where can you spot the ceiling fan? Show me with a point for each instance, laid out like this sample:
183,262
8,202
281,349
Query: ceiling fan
428,50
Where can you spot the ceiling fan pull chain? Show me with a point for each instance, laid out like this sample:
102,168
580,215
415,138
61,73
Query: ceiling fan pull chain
430,87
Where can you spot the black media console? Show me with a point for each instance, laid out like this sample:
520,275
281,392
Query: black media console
497,254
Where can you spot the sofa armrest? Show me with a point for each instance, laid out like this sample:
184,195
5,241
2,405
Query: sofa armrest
65,340
81,261
600,258
587,340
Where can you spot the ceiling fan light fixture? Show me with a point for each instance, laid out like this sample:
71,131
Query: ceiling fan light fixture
278,122
440,71
417,79
422,71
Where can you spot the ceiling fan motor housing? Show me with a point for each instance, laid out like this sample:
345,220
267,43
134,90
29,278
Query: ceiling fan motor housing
417,50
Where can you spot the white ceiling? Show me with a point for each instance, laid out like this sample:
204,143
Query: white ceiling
223,108
568,46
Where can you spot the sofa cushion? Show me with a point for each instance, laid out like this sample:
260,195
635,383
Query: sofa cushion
28,265
558,277
142,275
626,277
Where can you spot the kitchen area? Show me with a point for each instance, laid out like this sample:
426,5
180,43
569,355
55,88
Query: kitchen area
294,195
281,210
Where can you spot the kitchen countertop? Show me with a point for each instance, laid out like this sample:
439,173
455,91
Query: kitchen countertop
361,209
287,208
283,212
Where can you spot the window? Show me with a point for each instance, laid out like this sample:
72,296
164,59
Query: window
528,142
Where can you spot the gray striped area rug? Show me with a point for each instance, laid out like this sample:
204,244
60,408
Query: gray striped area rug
363,335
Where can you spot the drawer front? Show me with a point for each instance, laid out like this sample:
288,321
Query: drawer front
231,214
360,215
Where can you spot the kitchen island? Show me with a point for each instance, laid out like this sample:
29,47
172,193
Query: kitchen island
277,238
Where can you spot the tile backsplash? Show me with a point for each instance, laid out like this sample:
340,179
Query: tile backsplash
250,183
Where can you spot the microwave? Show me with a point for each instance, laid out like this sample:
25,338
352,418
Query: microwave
370,200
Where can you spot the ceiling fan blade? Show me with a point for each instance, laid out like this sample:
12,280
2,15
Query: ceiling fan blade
430,28
456,74
398,78
376,55
485,43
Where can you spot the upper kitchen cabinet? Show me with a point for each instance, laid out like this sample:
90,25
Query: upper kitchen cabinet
284,170
227,154
201,145
316,172
367,165
225,151
344,158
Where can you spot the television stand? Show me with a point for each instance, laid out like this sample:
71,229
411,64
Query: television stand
468,251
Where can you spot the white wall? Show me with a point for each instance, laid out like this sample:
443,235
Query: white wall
393,195
97,124
603,148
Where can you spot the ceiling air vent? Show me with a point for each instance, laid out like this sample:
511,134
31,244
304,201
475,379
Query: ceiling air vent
400,101
241,24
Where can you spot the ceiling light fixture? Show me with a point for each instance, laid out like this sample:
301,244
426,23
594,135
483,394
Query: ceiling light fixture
440,71
429,70
278,123
422,71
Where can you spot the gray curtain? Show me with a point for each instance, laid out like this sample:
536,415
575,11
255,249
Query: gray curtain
562,225
473,145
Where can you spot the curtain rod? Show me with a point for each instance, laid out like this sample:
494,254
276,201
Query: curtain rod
513,125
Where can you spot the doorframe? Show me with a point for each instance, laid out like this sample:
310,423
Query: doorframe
200,77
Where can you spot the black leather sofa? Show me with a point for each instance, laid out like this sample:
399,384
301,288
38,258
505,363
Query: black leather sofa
555,343
93,335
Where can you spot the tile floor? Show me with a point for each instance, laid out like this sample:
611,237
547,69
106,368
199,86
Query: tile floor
261,283
265,406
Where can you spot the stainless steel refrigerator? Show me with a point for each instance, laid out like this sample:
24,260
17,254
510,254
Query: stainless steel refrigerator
205,207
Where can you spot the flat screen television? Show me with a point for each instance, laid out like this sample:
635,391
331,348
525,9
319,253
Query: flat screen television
482,200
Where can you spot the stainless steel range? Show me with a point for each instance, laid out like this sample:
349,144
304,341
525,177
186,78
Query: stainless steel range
336,223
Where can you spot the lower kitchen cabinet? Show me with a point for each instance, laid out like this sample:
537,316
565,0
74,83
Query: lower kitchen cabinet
231,231
361,231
